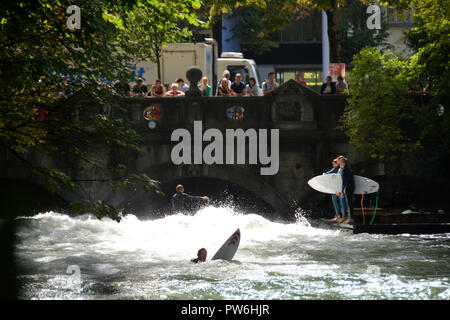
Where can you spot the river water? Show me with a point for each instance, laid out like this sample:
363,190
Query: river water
63,257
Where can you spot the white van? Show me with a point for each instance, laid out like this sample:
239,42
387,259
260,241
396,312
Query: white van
178,57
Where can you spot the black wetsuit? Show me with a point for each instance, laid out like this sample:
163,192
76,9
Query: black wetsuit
348,186
182,201
196,260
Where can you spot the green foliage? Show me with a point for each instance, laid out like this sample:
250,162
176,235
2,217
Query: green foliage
430,39
380,113
258,20
97,207
40,58
251,30
354,32
157,23
385,121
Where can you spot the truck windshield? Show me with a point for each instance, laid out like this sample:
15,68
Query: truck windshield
255,71
243,70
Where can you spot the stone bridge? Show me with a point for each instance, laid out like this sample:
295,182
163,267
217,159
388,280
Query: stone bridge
308,139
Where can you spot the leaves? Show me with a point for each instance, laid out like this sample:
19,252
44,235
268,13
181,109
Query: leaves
57,99
379,115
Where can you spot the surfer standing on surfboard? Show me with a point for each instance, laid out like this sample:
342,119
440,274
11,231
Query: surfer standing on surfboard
334,197
181,201
348,186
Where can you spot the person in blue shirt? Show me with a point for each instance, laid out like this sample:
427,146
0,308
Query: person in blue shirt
346,194
334,197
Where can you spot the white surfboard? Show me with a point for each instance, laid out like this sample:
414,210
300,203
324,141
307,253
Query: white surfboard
229,248
332,183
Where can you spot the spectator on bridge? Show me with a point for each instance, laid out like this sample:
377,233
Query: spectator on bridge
174,91
181,85
298,78
224,89
140,89
158,89
122,87
238,87
421,87
252,87
328,87
341,86
204,87
226,74
270,84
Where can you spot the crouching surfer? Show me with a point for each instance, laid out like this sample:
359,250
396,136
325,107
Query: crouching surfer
201,256
346,194
182,201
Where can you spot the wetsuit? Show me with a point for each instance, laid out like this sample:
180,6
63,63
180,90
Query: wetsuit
182,201
334,197
196,260
348,186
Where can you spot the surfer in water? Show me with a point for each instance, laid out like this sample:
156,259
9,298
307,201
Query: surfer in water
334,197
201,256
346,194
182,201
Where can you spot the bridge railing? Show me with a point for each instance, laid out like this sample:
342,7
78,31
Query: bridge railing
290,107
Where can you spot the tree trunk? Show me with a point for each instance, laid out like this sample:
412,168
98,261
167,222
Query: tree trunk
157,54
333,34
158,65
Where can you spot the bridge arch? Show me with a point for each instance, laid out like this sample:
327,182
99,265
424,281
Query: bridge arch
241,177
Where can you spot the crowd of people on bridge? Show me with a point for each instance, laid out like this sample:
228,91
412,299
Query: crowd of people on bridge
226,87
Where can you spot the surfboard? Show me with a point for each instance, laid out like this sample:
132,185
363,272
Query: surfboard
332,183
229,248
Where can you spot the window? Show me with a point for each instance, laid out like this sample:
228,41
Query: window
313,78
395,16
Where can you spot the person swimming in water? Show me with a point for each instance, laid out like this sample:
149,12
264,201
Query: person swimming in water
201,256
182,201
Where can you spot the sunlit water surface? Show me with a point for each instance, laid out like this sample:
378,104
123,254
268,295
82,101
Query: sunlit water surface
150,259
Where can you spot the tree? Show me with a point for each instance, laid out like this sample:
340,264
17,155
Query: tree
354,32
56,92
429,39
158,23
379,116
382,119
277,14
430,65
